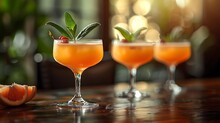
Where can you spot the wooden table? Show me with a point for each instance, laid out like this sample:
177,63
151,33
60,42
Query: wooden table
200,103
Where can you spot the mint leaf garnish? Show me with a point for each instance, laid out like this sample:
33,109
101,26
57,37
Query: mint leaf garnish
71,28
128,35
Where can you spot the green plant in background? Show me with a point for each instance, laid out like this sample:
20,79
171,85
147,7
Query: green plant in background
17,27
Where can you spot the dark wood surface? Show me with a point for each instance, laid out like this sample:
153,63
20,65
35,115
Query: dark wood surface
200,103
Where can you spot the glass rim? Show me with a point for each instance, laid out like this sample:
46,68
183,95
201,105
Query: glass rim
81,41
138,42
174,43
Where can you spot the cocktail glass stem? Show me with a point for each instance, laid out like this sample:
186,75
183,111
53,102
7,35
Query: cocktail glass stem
133,92
77,100
132,73
172,69
77,85
170,84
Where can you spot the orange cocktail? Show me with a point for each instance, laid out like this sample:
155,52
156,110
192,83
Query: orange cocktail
78,56
171,54
132,55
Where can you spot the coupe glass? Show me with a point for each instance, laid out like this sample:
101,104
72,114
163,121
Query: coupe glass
78,56
132,55
171,54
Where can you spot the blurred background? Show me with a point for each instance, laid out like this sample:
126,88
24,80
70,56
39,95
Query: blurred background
26,48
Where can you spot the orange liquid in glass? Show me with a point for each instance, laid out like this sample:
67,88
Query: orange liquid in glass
132,55
78,56
172,54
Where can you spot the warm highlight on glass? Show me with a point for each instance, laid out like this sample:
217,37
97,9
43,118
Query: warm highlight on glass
132,55
171,54
78,56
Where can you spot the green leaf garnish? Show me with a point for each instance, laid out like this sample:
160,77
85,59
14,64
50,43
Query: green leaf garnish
125,33
60,29
86,30
128,35
71,28
176,34
138,32
70,24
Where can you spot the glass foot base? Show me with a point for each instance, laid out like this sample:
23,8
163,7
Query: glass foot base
132,93
85,105
78,103
171,87
128,106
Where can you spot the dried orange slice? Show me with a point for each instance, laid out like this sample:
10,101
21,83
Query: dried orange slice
16,94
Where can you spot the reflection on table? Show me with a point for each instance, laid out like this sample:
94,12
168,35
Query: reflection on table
199,103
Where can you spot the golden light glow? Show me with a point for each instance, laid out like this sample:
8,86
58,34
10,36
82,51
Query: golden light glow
182,3
194,10
122,7
136,22
152,35
142,86
153,25
121,86
118,19
142,7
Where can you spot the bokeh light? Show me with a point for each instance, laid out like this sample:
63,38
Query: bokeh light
122,7
136,22
118,19
152,35
182,3
142,7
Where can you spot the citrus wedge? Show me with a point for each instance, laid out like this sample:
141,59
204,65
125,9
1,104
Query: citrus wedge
2,85
13,95
31,93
